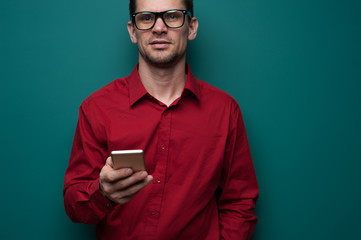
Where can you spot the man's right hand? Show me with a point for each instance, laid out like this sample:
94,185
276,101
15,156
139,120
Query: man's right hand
121,185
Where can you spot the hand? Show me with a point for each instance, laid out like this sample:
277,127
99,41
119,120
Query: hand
121,185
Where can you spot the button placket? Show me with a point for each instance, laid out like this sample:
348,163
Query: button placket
163,135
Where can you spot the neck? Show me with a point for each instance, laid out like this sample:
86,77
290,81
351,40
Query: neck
164,83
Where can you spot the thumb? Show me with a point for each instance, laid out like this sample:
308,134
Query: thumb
109,162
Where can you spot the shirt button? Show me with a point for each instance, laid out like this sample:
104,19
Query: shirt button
163,147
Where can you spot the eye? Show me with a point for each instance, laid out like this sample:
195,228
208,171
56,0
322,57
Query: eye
145,17
173,16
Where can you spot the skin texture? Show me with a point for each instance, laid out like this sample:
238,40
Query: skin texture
162,56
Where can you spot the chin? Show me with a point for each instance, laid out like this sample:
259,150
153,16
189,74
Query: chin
162,64
162,61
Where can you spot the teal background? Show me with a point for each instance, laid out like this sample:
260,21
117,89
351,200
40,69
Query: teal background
293,66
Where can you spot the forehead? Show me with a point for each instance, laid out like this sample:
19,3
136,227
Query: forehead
159,5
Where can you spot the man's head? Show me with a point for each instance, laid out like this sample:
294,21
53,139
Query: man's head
161,41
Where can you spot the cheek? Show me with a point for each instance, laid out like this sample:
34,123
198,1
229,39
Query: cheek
182,40
140,42
141,37
183,43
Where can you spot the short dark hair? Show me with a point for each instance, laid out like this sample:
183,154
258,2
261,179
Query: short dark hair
133,6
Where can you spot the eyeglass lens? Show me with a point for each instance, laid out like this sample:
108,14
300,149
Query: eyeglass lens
172,19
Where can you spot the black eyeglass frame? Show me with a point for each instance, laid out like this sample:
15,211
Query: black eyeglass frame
160,14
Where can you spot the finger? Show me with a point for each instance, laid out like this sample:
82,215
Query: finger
106,168
108,174
132,180
130,192
134,189
109,162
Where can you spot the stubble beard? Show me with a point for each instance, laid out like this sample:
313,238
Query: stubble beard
161,61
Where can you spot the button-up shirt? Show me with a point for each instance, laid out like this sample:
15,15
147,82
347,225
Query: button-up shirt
196,149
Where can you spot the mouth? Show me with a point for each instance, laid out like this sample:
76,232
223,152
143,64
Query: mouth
159,44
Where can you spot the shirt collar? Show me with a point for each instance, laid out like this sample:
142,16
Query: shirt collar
137,90
191,82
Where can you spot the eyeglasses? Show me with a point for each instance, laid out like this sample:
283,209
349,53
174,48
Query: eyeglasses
172,18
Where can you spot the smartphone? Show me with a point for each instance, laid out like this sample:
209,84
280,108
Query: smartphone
133,159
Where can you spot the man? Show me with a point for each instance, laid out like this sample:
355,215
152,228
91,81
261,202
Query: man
199,181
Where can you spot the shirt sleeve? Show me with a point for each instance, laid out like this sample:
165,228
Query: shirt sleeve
239,188
83,200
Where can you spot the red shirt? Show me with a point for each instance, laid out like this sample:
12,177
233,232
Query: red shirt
196,149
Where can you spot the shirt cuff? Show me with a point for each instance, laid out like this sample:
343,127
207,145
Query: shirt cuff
102,203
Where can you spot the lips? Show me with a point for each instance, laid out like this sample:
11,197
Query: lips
159,44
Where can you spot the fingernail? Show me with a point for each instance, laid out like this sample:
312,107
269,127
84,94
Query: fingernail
143,174
128,171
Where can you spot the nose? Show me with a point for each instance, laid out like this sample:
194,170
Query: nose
159,26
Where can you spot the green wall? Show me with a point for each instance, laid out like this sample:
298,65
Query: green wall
293,66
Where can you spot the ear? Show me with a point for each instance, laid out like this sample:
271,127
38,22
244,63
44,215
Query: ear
132,34
193,28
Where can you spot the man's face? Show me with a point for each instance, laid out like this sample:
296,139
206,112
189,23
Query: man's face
162,46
